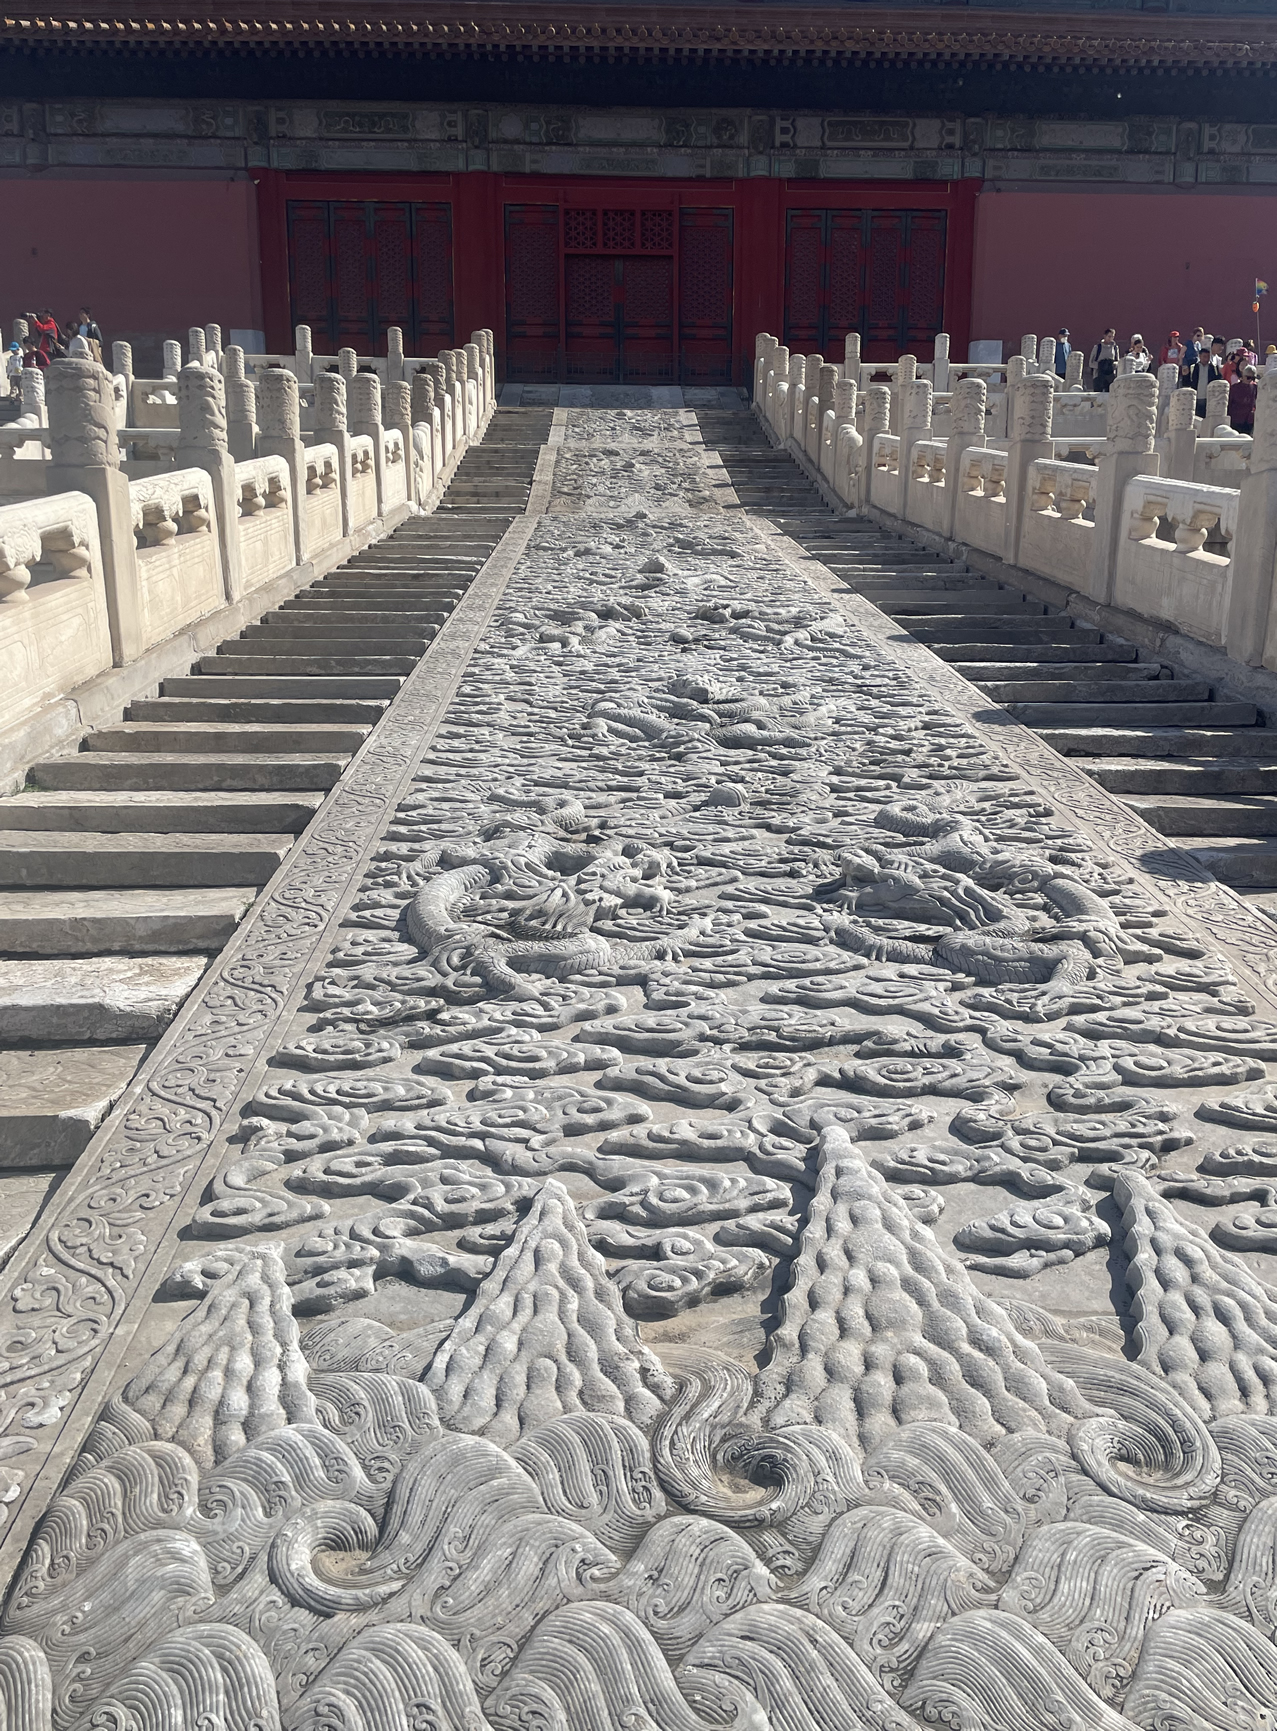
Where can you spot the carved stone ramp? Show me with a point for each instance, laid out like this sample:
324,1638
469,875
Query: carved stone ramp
647,1214
1197,766
125,865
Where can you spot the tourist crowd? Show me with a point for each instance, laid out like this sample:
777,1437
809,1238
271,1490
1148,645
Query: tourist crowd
47,341
1200,359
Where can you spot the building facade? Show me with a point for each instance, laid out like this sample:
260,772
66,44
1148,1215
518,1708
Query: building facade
630,194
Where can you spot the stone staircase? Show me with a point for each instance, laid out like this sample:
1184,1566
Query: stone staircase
126,864
1194,764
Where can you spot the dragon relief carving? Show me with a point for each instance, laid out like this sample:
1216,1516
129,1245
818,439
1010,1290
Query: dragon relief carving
755,1222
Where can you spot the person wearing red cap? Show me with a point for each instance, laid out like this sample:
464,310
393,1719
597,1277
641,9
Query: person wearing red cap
1171,353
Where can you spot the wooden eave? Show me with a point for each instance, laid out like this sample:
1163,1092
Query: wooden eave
918,36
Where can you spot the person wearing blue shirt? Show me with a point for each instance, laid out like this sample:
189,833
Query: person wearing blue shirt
1062,349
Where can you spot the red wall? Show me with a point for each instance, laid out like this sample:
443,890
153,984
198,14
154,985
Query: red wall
1142,261
151,256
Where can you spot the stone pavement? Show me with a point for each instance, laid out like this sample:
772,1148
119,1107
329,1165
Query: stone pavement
711,1188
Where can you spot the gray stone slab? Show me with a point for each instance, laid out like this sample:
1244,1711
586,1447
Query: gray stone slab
95,999
52,1100
763,1188
119,922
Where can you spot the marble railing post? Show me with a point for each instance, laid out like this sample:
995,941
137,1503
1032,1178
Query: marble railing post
364,413
942,362
483,339
397,417
122,363
907,370
395,354
171,362
280,435
1048,354
1030,437
476,371
32,392
444,402
424,410
1215,409
195,346
1178,446
242,406
779,367
1031,352
766,348
21,331
812,367
1166,385
84,457
1251,605
449,361
968,427
795,391
916,409
330,420
853,357
876,420
822,400
303,355
213,345
202,444
1075,370
1131,432
844,414
347,363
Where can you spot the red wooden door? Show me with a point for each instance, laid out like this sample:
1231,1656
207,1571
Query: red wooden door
706,296
533,292
357,266
880,272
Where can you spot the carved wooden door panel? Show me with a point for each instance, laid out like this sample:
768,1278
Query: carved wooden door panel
591,343
358,266
706,297
533,292
880,272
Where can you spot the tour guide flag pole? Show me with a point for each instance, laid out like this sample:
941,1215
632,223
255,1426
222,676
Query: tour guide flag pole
1259,289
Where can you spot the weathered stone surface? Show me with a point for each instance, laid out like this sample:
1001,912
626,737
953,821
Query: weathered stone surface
52,1100
93,998
705,1196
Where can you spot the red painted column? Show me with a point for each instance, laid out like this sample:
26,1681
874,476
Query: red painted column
274,253
477,254
957,292
757,267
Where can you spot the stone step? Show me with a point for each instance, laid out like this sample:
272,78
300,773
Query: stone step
366,608
1234,861
161,813
197,685
1206,776
1159,741
256,709
356,622
1043,672
52,1101
95,999
974,601
1074,647
189,772
134,922
266,666
1060,691
1206,814
78,859
981,632
192,736
1134,714
330,640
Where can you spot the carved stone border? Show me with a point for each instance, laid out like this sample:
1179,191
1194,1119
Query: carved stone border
74,1294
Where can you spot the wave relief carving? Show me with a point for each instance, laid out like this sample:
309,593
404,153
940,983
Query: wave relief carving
708,1250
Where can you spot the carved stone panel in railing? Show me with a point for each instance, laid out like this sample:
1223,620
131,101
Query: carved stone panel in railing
266,519
324,497
54,632
980,504
180,576
1164,570
1057,529
364,485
